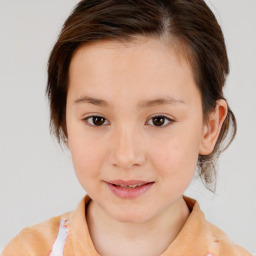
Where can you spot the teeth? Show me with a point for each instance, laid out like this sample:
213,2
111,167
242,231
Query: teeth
130,186
133,186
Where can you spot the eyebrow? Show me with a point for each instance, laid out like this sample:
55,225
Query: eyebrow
142,104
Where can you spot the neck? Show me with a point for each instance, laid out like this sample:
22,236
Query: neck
112,237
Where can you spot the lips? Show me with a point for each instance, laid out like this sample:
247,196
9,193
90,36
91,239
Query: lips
129,189
128,182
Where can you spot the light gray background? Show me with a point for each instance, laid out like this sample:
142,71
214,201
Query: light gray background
37,179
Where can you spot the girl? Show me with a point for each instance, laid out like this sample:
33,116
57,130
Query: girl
135,91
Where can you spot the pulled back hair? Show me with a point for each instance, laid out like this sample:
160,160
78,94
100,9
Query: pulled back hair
188,24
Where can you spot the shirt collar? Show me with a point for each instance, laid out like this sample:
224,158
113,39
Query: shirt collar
193,237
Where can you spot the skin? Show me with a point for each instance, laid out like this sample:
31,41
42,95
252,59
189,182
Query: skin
129,145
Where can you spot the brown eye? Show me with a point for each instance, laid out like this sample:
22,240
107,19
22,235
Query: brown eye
160,121
95,120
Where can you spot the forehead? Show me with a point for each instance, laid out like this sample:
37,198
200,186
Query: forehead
149,46
146,65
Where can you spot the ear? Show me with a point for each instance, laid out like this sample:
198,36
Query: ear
212,129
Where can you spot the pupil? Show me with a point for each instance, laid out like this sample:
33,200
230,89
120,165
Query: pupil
158,121
98,120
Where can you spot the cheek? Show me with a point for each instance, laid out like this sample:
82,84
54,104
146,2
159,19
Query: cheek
177,156
86,157
176,165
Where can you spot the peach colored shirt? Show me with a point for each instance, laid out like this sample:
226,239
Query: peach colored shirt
68,235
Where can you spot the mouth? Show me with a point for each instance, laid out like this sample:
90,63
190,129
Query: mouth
129,189
129,186
129,183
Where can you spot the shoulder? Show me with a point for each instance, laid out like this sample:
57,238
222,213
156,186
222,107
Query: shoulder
37,239
223,244
208,237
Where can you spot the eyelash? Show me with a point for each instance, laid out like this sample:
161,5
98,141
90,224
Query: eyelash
155,116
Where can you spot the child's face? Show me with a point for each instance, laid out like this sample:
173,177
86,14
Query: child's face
128,143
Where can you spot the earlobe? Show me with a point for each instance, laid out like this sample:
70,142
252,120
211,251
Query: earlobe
212,128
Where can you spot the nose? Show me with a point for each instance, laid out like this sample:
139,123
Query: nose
127,148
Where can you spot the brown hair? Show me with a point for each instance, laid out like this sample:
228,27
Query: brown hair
189,22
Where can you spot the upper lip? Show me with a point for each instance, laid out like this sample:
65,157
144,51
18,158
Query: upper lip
128,182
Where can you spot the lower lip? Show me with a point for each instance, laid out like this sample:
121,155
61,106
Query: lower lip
129,193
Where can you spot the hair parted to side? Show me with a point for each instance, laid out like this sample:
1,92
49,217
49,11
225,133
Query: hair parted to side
188,25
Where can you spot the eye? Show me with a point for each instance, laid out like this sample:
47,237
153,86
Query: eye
95,120
160,121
